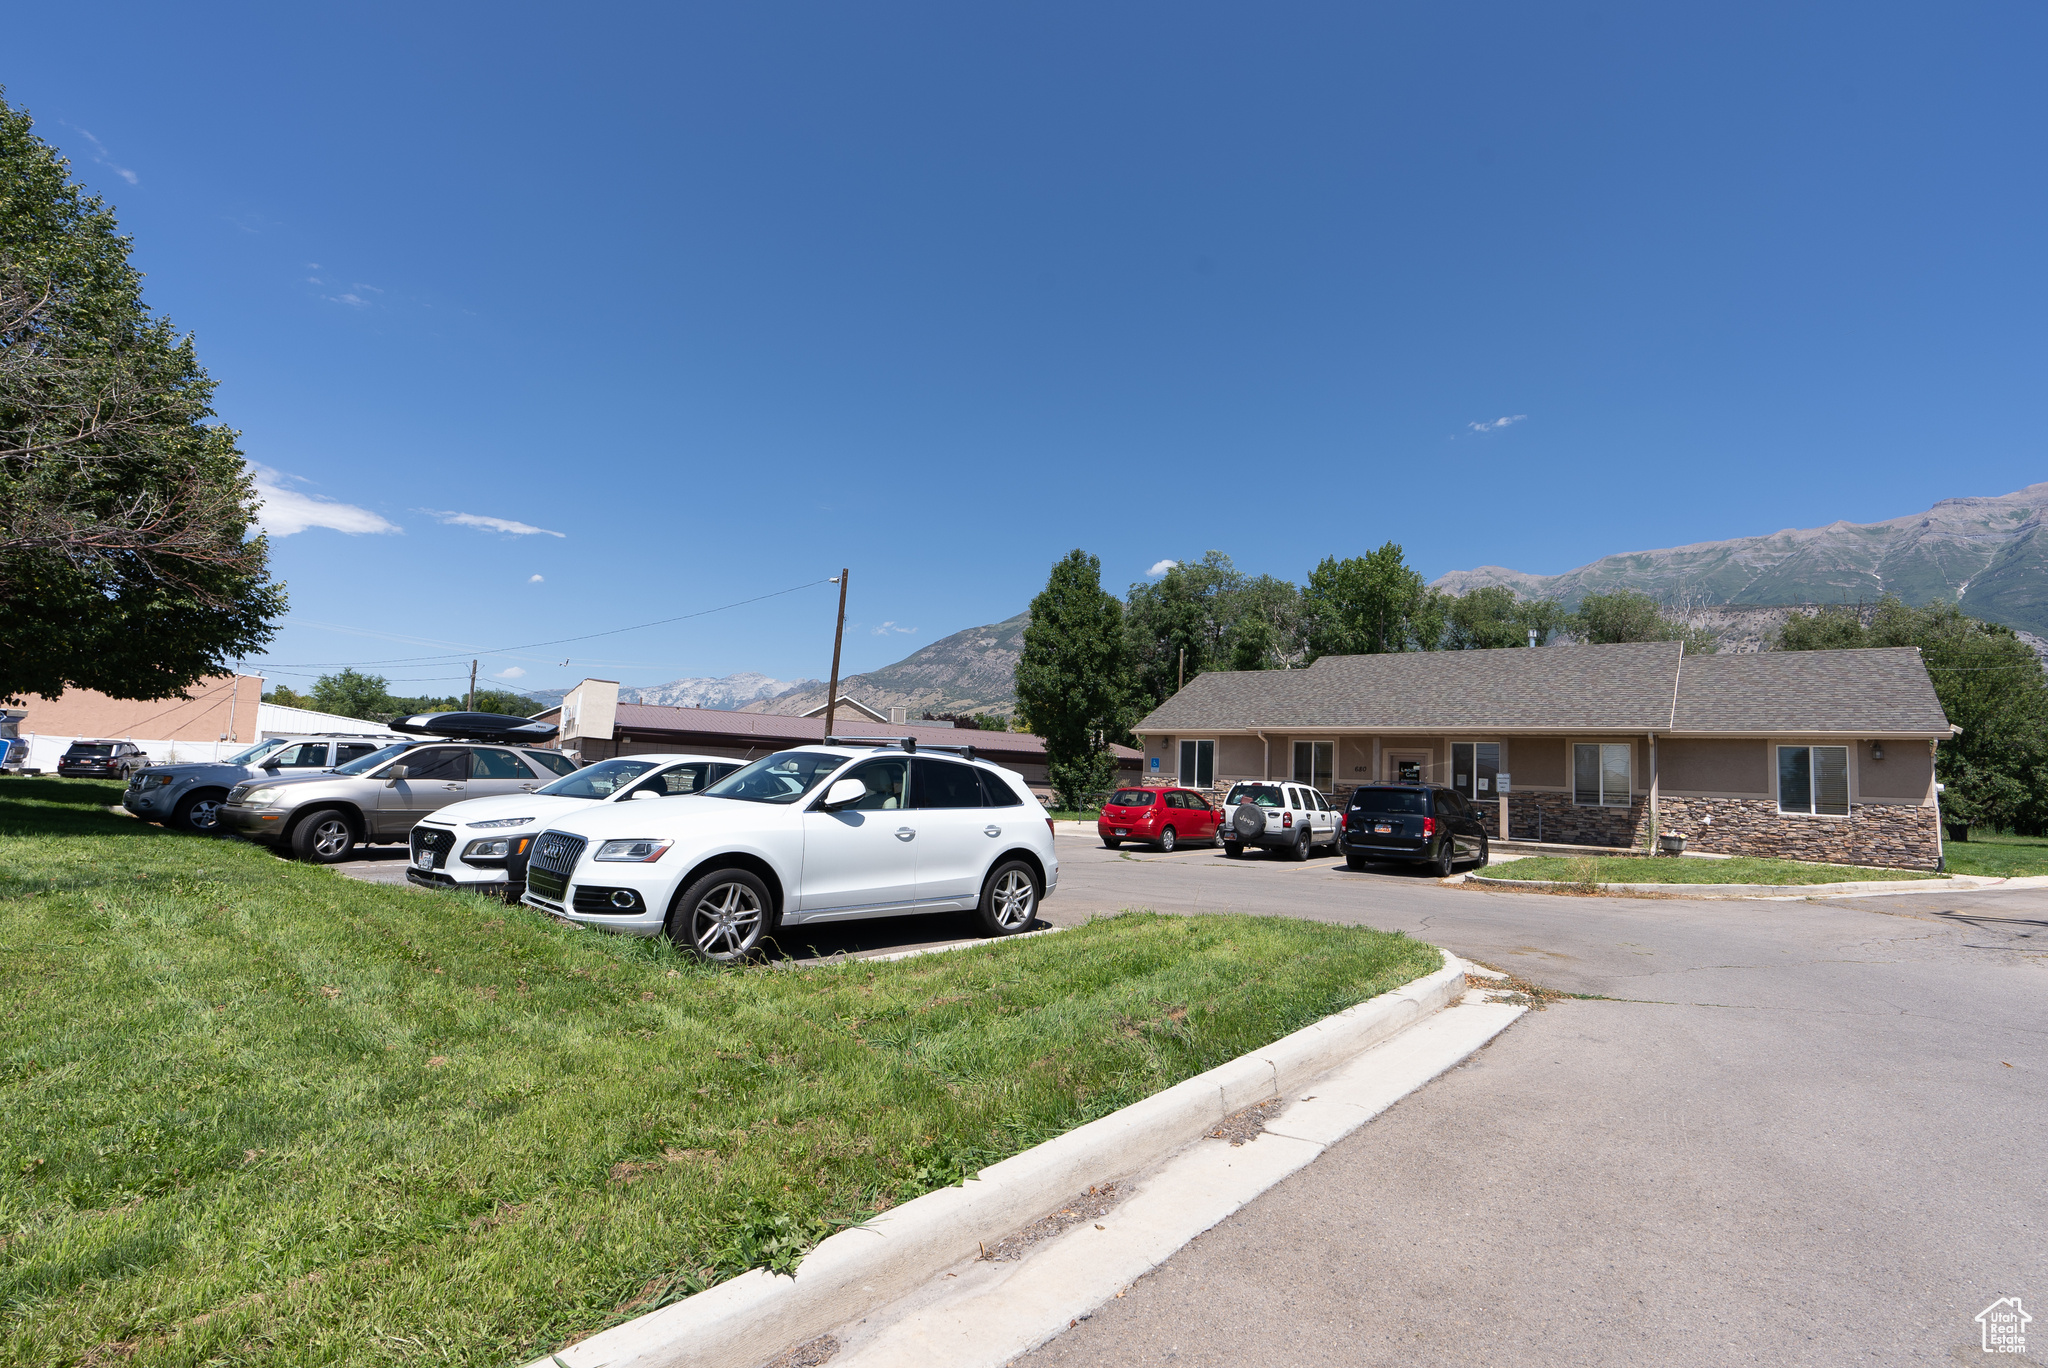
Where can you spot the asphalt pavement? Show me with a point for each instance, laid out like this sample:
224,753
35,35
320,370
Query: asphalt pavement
1801,1131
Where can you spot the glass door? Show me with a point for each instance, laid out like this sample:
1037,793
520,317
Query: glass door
1315,764
1197,764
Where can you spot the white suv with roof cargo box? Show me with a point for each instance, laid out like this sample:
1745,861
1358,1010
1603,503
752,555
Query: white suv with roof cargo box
815,834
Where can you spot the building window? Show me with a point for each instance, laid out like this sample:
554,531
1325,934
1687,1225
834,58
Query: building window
1315,764
1602,775
1197,764
1814,779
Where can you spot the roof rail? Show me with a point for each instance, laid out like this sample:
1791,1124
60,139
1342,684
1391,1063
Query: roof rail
907,744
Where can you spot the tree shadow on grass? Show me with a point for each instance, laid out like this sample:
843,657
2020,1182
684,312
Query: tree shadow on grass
65,807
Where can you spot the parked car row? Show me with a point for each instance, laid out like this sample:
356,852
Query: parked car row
189,795
1402,823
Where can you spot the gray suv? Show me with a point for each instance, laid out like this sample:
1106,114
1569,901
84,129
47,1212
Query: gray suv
377,799
189,796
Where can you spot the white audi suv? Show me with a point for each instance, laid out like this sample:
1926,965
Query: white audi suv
814,834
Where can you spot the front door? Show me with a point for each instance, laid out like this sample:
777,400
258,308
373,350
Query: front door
435,776
862,859
1407,767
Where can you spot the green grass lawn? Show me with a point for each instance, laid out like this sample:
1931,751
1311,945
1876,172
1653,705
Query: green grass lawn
255,1112
1634,869
1997,854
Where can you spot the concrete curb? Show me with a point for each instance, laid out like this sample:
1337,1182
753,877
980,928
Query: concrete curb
1734,890
751,1318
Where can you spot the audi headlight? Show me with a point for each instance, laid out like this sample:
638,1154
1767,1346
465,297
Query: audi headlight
262,797
495,847
501,822
632,852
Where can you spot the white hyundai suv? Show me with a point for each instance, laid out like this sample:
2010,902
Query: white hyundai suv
815,834
500,830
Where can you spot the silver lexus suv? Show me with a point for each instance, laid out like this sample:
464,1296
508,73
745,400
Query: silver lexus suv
376,800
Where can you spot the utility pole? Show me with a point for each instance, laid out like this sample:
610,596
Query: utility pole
470,706
1183,669
832,688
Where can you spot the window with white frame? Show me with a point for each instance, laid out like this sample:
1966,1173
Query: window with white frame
1814,779
1603,774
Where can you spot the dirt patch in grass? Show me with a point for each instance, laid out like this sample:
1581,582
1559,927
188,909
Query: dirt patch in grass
252,1111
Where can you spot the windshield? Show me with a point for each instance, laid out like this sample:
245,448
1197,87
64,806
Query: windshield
1390,800
599,781
254,753
782,777
375,758
1261,795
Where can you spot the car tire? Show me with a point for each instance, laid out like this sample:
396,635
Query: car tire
1166,840
1485,852
199,813
1446,858
1009,899
1111,843
1303,847
1356,863
324,837
722,917
1233,850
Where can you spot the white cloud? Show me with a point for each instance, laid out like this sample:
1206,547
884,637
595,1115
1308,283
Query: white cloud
284,510
536,580
891,629
511,672
1497,424
354,301
1161,568
99,154
478,520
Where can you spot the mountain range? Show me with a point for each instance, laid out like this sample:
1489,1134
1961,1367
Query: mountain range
1990,555
732,692
970,671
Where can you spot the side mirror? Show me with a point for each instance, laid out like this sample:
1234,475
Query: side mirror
397,773
638,794
844,792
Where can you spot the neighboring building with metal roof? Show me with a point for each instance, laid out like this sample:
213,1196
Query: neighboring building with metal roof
1819,755
596,726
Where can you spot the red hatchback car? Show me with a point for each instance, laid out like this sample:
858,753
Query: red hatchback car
1164,817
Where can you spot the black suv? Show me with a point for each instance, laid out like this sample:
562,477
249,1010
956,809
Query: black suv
102,760
1412,822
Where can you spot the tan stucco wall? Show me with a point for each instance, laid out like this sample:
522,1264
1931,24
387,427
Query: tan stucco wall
1905,775
1535,762
1240,757
1702,766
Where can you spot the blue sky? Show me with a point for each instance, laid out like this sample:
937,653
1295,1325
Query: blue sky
714,300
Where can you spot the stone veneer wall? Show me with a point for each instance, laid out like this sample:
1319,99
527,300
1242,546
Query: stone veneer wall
1894,835
1540,815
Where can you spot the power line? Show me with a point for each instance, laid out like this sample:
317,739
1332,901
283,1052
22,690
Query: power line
559,641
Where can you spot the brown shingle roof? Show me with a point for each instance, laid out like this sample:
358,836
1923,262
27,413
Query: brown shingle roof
1639,687
1885,689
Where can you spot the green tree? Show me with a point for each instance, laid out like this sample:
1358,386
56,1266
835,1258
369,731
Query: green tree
284,696
1990,684
349,694
1628,615
1492,617
1370,605
1208,615
1073,678
126,563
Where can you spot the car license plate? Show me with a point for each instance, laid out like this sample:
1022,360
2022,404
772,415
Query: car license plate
1123,831
1384,828
425,859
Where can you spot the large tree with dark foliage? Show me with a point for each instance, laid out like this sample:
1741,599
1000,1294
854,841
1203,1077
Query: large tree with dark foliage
126,563
1073,678
1990,684
1208,615
1370,605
